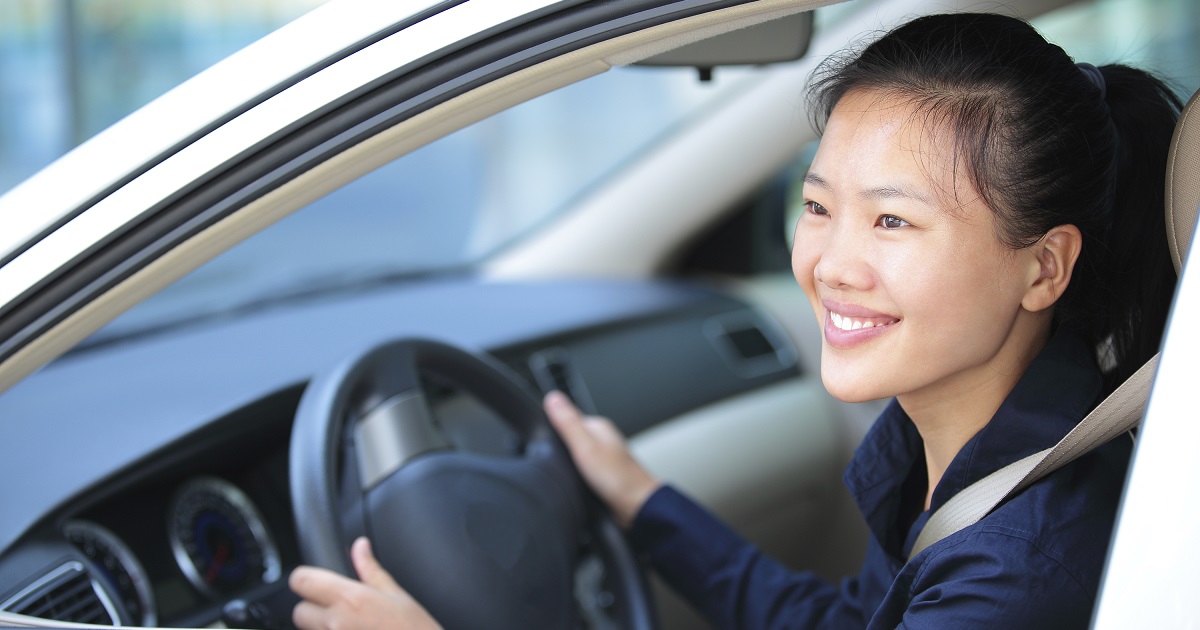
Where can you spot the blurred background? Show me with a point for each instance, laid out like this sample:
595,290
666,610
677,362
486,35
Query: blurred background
70,68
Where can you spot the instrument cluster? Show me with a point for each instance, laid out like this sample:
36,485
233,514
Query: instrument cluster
217,547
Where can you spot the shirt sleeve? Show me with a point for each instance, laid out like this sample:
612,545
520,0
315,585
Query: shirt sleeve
729,580
997,578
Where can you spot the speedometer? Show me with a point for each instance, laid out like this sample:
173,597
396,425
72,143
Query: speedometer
218,538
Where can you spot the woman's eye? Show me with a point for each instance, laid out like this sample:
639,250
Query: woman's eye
816,208
891,222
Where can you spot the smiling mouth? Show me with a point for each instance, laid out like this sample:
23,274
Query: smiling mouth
843,322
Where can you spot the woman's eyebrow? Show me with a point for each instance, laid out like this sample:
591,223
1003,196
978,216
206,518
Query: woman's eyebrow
816,180
896,191
890,191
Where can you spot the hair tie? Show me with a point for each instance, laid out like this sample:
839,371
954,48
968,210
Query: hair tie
1094,75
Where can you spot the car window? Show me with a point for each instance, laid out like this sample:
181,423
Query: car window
71,68
441,208
1160,36
449,204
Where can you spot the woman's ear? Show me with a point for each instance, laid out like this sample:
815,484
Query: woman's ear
1055,254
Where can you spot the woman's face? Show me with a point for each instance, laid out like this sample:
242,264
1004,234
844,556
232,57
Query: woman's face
899,258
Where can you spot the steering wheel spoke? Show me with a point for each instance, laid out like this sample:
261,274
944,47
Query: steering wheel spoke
392,434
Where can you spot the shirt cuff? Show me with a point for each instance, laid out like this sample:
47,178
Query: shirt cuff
669,523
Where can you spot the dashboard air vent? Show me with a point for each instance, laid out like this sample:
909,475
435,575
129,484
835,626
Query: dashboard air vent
65,594
750,343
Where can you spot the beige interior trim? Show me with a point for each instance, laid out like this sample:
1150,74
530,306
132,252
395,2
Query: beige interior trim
369,155
769,463
1183,188
711,453
13,620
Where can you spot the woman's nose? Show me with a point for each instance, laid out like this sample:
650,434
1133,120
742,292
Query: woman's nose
843,262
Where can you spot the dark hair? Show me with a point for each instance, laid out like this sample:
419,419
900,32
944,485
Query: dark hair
1044,145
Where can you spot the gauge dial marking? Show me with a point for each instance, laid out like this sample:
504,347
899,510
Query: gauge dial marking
119,567
219,540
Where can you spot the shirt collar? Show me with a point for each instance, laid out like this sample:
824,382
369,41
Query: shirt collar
1059,388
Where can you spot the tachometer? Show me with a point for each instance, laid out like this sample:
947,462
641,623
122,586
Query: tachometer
219,539
120,567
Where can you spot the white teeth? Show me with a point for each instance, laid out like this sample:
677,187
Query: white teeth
847,323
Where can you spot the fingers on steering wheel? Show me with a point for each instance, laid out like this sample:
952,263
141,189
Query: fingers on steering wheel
319,586
309,616
567,419
368,568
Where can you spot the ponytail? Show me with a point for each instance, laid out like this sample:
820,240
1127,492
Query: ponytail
1144,111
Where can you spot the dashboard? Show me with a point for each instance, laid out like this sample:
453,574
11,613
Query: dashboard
198,525
155,470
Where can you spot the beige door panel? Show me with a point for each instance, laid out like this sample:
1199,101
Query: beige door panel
768,462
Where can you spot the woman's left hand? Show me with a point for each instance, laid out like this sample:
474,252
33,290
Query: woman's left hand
336,601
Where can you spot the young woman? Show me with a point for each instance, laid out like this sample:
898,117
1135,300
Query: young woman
983,243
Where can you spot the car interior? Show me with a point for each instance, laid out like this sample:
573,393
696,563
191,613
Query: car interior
657,293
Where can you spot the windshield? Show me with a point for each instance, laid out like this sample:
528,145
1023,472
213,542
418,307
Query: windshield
450,203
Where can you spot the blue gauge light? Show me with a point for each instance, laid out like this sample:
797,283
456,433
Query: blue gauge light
219,540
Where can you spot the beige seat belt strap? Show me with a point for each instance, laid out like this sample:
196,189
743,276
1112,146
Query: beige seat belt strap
1118,413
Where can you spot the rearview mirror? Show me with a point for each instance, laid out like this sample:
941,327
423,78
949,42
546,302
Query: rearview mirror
776,41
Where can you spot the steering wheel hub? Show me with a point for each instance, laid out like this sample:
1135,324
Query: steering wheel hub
479,540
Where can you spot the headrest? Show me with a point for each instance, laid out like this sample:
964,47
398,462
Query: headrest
1183,182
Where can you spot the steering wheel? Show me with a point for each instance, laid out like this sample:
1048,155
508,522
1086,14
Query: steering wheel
481,541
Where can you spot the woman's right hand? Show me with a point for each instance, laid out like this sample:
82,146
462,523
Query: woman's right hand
335,601
602,457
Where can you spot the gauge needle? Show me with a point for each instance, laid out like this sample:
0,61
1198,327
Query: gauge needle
217,563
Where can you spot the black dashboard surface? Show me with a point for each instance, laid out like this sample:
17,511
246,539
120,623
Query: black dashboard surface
109,433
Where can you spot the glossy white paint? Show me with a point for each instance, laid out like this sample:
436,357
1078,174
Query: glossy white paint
1151,580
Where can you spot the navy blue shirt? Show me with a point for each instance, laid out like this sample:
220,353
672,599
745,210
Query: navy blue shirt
1034,562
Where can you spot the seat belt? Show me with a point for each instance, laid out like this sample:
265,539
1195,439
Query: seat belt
1119,412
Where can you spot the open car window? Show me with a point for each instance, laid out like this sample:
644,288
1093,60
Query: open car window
447,205
70,69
